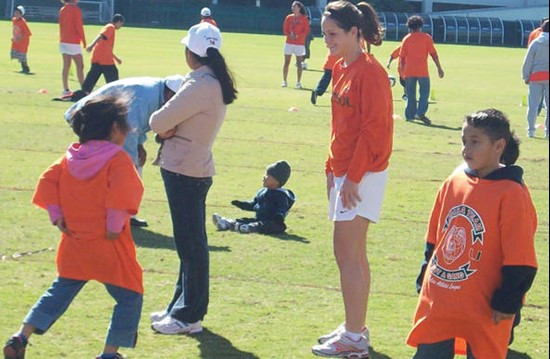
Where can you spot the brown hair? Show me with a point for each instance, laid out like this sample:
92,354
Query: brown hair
363,16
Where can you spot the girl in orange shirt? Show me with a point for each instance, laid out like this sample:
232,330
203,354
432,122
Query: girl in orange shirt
90,194
296,28
480,256
20,39
356,169
71,35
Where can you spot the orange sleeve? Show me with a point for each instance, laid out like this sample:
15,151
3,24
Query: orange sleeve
26,29
286,26
373,140
433,224
431,47
395,54
403,52
518,224
125,188
47,189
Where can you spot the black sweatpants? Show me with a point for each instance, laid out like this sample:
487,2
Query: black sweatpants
110,73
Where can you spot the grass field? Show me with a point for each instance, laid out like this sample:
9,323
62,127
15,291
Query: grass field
270,296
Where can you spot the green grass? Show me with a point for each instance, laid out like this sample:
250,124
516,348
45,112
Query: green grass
270,296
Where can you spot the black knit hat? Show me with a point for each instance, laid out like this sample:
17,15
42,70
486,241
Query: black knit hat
279,170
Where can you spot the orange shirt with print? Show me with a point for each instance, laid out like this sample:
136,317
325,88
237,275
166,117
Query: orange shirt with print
102,52
210,21
477,226
297,25
413,56
533,35
86,254
362,119
71,27
21,35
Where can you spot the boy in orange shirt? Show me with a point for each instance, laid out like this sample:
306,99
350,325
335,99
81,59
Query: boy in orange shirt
480,256
20,39
89,194
103,58
413,65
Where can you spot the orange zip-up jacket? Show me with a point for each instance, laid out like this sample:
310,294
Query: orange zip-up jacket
71,26
362,119
86,254
21,35
299,26
477,227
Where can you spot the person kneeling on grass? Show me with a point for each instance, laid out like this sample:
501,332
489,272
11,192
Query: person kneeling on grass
271,204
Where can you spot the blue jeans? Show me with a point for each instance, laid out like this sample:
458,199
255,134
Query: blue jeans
323,83
413,108
187,201
538,91
124,322
440,350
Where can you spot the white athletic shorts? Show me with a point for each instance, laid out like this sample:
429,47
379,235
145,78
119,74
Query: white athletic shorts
371,192
70,49
297,50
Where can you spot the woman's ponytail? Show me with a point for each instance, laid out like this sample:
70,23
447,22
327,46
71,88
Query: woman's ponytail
216,62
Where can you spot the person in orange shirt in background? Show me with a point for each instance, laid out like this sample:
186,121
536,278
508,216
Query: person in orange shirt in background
103,58
413,63
357,165
296,28
20,38
89,194
480,256
325,79
71,35
395,56
536,33
206,16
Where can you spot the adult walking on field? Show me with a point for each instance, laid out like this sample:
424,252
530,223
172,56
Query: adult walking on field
356,169
189,124
536,75
71,35
296,29
413,63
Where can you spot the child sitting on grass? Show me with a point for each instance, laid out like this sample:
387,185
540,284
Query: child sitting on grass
90,194
271,204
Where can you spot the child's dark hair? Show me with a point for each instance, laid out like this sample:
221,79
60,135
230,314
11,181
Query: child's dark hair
362,16
496,125
301,6
415,22
95,120
545,27
118,18
216,62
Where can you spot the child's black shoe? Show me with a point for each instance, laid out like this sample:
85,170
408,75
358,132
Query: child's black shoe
15,348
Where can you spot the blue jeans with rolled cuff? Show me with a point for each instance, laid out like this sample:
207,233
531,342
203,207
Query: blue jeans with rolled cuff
415,108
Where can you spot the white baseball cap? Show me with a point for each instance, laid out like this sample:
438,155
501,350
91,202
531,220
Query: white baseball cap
21,9
201,37
173,82
206,12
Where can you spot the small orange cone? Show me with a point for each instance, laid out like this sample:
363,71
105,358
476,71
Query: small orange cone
293,109
43,91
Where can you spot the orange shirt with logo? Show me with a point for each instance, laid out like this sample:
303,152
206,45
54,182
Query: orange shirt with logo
21,35
71,27
297,25
86,254
477,226
362,119
102,52
413,56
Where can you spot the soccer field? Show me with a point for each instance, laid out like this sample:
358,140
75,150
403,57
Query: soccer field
270,296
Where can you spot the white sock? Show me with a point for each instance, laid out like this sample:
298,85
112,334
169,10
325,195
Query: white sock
354,336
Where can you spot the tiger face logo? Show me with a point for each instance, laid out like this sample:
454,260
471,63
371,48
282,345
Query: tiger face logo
454,244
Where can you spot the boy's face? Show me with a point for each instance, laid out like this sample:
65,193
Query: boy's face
270,182
479,151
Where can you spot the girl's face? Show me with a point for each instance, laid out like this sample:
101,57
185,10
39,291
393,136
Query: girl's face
17,15
339,42
270,182
295,9
479,151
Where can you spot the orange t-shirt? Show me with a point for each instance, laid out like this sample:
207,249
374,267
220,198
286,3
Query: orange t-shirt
21,35
102,52
297,25
71,27
413,57
395,56
533,35
330,61
210,21
87,254
362,119
477,226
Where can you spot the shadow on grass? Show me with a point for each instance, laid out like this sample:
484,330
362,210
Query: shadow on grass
290,237
147,239
376,355
443,127
512,354
214,346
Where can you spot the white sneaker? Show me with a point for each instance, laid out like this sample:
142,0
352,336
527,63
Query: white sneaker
284,84
158,316
299,85
343,347
341,330
172,326
221,223
66,92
